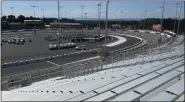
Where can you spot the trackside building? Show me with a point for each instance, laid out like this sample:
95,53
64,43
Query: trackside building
66,26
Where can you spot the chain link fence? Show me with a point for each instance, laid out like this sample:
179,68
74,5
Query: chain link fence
86,67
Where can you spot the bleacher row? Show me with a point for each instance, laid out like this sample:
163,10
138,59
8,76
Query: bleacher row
159,80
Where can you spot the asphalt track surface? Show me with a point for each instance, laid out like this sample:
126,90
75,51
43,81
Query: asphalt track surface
6,56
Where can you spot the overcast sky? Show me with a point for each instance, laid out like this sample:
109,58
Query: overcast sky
72,9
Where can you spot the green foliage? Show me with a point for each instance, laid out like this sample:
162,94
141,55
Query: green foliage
167,23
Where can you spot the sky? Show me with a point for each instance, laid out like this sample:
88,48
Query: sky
72,9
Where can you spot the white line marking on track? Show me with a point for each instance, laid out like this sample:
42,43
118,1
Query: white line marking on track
52,63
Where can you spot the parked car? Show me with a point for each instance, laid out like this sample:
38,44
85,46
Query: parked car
23,39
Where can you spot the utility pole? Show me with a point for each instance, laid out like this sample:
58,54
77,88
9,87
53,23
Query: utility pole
106,31
82,17
98,19
175,16
179,18
85,19
43,14
34,19
59,31
161,22
12,12
60,17
100,15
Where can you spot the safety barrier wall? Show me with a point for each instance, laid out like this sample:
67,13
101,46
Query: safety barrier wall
36,60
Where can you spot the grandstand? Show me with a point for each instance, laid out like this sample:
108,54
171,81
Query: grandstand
152,74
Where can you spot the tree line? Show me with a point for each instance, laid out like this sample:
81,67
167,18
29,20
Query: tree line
168,23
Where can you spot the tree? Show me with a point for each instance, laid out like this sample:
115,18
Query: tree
11,18
21,18
3,18
31,18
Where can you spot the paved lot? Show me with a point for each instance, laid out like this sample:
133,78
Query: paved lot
37,48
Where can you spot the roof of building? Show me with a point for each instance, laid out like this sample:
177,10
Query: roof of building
31,20
64,23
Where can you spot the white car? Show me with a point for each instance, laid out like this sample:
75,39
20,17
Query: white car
81,47
51,46
55,46
72,44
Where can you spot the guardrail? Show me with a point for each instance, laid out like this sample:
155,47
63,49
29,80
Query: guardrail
36,60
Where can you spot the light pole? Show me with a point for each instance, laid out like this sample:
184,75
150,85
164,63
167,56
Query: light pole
100,15
59,18
179,18
162,11
85,19
82,16
12,12
99,19
175,16
106,31
43,14
34,18
59,31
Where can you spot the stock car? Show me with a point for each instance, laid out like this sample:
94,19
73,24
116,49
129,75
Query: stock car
81,47
53,47
67,45
61,46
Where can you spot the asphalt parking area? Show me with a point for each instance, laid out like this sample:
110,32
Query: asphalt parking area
37,48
